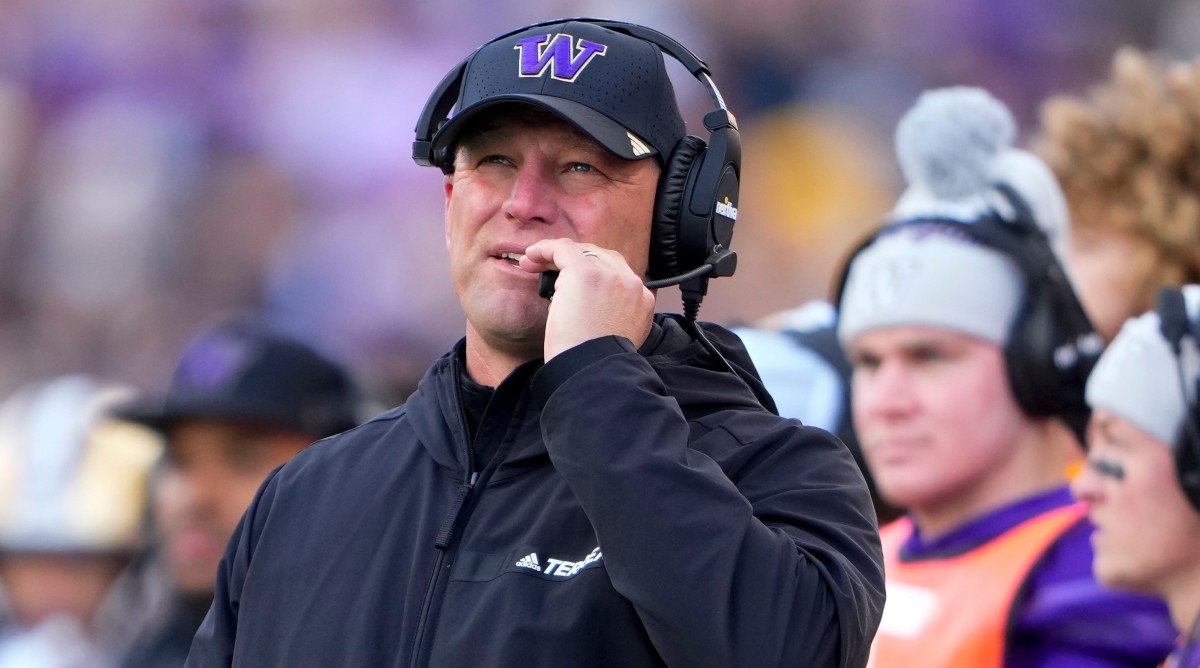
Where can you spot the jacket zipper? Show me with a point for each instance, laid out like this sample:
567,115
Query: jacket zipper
460,496
446,532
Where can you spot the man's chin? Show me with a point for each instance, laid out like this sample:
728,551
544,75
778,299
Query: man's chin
521,326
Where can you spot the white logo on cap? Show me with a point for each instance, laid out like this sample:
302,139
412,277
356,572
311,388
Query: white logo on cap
637,145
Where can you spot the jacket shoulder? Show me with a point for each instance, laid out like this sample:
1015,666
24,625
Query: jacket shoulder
365,442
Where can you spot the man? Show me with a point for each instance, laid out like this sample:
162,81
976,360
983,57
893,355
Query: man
578,482
244,399
1142,485
969,350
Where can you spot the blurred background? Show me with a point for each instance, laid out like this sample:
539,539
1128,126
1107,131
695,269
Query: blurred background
165,164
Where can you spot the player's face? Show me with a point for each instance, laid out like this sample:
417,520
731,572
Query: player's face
41,586
526,178
936,419
213,471
1147,534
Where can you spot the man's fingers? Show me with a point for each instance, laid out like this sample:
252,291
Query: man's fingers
558,254
539,257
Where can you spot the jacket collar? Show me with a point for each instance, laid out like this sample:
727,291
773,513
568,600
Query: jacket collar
697,381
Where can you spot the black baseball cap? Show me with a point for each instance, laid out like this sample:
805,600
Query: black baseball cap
611,86
243,371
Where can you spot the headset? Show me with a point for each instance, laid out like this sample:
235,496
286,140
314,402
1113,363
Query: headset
1171,308
696,204
1052,345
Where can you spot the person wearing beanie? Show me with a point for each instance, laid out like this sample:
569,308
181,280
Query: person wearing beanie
969,352
244,399
1127,155
1142,482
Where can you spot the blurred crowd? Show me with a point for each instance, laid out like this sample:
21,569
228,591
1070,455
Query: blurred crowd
167,168
167,164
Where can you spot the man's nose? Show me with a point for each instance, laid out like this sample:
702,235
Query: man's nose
888,391
1086,485
532,198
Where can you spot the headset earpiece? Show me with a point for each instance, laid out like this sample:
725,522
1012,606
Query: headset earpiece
668,207
1171,308
1187,464
1052,345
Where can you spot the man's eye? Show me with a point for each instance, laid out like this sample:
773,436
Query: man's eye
495,160
580,167
864,362
930,356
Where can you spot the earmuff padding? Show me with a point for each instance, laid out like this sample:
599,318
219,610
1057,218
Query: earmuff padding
1171,308
1050,317
668,207
1051,321
1187,466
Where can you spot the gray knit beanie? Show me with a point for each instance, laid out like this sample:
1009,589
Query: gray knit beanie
955,146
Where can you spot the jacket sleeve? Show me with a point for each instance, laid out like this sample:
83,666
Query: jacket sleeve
214,642
741,538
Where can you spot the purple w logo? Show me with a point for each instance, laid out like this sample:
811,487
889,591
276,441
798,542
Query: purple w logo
561,55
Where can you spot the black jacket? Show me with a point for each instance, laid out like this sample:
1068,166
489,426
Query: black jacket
642,509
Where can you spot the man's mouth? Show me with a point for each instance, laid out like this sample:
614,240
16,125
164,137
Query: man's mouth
511,258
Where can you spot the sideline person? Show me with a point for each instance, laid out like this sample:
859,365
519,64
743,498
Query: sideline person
1142,483
75,585
578,482
243,400
970,351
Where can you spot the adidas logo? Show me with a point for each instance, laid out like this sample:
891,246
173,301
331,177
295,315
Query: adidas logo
559,568
529,561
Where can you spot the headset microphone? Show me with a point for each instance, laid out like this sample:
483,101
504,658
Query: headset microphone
722,263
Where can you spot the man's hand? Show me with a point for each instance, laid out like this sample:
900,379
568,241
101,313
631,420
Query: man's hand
596,294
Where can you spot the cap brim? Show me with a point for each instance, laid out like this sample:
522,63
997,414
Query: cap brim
162,418
145,413
605,131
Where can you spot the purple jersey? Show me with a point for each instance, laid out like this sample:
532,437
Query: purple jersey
1062,618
